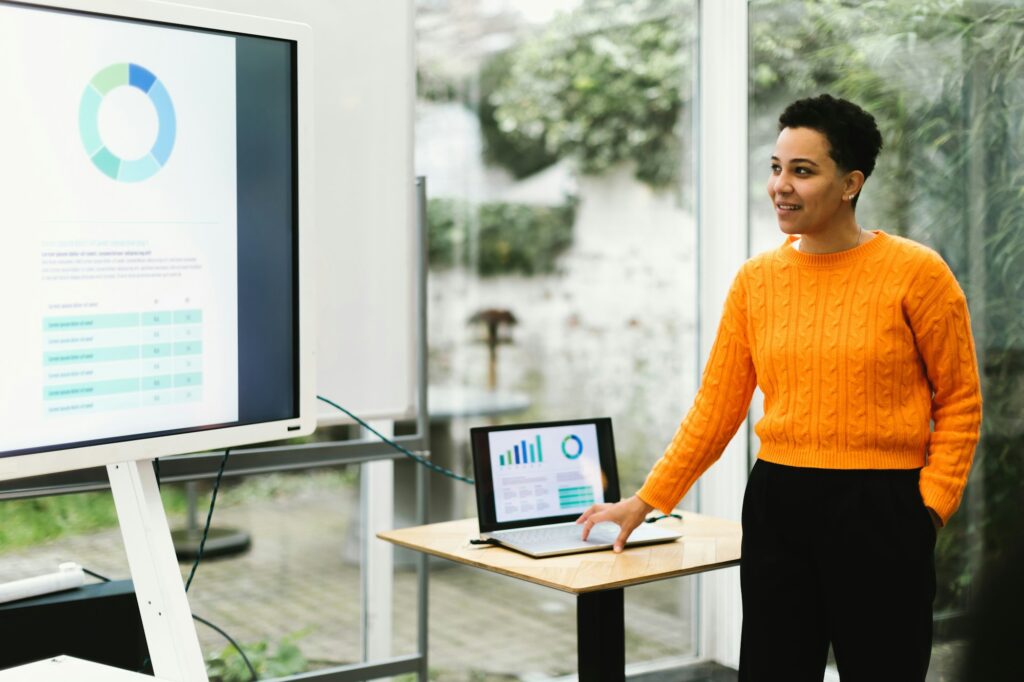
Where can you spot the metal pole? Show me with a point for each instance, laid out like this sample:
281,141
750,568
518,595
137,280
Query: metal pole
423,427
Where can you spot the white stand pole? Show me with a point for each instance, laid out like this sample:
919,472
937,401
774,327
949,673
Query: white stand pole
166,616
378,506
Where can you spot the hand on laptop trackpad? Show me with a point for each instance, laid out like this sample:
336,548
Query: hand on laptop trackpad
603,532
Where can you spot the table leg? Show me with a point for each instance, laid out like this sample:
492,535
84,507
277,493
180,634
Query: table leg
600,636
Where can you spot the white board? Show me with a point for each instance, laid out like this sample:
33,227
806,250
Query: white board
365,240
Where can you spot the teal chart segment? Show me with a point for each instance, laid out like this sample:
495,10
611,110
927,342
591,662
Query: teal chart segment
108,79
572,446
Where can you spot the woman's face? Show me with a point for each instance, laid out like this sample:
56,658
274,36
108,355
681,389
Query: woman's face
805,184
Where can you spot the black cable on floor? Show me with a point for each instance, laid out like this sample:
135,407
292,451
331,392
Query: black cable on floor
205,622
252,670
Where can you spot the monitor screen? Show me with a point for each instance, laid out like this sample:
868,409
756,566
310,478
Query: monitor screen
150,214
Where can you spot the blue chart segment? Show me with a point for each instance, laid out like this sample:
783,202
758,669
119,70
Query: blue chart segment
140,78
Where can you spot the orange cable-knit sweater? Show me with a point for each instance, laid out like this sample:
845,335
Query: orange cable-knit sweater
856,353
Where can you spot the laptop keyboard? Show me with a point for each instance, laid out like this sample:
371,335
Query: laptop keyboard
601,533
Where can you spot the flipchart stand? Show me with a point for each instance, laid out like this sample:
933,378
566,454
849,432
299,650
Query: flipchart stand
166,616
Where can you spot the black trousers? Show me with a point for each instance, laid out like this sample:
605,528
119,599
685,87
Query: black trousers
841,557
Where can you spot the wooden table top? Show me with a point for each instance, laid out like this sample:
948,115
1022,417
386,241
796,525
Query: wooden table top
707,543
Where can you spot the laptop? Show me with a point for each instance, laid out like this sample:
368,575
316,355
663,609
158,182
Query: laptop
534,480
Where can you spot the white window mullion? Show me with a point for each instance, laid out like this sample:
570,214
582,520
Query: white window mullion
723,247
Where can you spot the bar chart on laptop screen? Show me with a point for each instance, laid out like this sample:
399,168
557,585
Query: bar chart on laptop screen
550,471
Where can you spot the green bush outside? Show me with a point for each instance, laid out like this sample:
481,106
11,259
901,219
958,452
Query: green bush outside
28,522
498,238
269,661
603,84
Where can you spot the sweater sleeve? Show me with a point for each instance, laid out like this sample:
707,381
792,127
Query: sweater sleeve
718,410
941,323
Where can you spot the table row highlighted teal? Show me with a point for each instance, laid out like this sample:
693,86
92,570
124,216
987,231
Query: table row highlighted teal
172,317
175,396
578,496
113,387
164,381
115,320
71,339
124,401
88,355
72,322
120,353
158,350
95,388
188,348
128,369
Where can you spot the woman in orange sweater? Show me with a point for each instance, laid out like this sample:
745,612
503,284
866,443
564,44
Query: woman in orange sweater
860,341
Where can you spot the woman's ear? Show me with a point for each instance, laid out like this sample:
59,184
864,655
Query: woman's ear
853,183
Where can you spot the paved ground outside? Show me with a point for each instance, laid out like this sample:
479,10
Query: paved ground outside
301,581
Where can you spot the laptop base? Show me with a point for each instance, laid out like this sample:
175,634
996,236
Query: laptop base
566,538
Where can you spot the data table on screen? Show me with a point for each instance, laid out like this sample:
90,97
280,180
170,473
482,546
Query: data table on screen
118,361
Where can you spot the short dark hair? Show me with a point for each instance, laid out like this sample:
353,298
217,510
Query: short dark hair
852,134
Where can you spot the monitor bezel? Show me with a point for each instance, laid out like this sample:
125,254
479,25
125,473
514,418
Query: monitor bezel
484,479
214,437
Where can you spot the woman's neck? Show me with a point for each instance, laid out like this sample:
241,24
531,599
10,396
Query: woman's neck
842,237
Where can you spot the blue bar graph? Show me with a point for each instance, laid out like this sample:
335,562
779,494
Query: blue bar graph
522,453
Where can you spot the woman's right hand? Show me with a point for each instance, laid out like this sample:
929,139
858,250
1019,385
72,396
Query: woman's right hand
627,514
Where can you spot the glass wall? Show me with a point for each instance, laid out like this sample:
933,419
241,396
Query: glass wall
291,598
946,83
556,142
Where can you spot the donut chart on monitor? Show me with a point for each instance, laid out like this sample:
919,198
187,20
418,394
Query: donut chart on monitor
141,78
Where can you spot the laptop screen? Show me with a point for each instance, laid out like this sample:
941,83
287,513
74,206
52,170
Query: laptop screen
547,472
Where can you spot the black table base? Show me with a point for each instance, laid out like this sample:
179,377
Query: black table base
600,636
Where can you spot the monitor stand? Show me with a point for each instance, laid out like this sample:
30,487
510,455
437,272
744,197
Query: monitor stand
166,616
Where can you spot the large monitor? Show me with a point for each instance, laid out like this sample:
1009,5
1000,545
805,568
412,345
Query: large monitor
155,214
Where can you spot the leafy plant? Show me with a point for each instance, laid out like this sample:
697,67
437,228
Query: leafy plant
520,154
603,84
28,522
498,238
283,659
